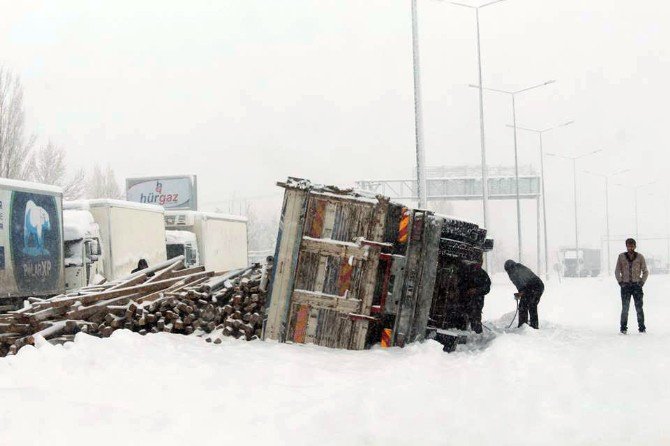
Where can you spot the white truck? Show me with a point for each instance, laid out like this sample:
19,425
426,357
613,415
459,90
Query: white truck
82,245
128,232
31,241
217,241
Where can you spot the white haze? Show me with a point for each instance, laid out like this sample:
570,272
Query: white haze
243,93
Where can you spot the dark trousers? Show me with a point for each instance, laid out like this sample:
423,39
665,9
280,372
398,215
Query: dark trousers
635,290
528,305
475,307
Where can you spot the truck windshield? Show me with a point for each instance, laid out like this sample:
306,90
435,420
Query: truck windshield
174,250
73,252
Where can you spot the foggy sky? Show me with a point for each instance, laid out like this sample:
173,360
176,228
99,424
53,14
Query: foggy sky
243,93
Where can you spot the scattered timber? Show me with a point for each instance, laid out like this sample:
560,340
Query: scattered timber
166,298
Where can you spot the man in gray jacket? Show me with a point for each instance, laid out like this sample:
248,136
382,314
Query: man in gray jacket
631,273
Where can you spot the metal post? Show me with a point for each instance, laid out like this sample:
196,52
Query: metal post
516,182
636,221
544,212
538,243
607,224
574,181
418,118
485,175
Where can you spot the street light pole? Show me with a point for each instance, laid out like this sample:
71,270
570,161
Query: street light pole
516,182
607,221
635,189
574,184
607,177
418,117
540,133
574,181
482,137
516,158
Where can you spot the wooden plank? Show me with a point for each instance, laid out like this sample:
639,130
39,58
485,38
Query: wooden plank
321,300
187,272
144,288
86,312
344,279
316,217
321,273
288,245
190,281
300,327
47,313
329,220
162,274
56,329
15,328
127,283
312,325
334,248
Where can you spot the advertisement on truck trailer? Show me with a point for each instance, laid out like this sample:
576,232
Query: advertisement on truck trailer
31,247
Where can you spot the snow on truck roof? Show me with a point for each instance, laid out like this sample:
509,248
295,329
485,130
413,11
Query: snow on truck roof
209,215
30,186
77,224
108,202
175,237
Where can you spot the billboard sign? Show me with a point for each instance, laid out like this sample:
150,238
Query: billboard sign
171,192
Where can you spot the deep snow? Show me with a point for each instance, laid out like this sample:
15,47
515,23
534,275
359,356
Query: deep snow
575,381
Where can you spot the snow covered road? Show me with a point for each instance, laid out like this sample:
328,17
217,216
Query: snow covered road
575,381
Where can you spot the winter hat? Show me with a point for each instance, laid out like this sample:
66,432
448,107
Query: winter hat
509,264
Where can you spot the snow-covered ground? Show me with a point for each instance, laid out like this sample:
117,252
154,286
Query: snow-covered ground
576,381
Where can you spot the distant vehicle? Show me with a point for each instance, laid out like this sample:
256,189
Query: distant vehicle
657,266
128,232
82,245
584,263
220,240
31,242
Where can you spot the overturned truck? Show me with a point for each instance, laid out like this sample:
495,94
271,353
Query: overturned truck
353,270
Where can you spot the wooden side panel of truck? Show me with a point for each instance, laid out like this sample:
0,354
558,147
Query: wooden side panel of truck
323,284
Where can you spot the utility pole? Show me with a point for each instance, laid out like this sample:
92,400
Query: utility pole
539,133
482,137
574,184
418,116
516,153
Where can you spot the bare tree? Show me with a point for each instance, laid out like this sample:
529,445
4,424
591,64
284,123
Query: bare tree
15,146
102,184
261,231
48,165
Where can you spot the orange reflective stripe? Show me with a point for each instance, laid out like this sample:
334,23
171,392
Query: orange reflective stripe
344,279
404,226
386,338
318,216
301,319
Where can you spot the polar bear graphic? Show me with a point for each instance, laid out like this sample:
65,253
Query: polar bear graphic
35,223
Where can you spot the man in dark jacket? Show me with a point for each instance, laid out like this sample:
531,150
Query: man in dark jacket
142,264
475,284
530,289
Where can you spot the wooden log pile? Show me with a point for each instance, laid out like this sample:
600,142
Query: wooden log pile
166,298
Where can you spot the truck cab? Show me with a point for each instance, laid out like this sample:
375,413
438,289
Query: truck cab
82,247
182,243
219,240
